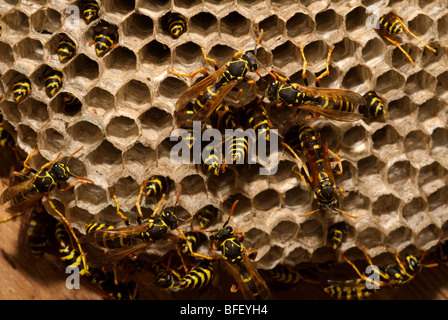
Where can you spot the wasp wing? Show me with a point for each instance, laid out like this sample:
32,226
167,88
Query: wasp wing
331,113
115,255
206,111
12,191
113,233
197,88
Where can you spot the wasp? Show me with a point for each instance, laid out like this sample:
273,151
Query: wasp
50,176
375,106
389,25
132,238
318,169
258,119
66,50
336,104
37,229
248,279
6,139
287,276
53,82
90,11
155,186
176,25
67,254
71,103
394,275
21,89
209,92
105,40
206,215
336,234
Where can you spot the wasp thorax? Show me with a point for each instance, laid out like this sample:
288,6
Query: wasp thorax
170,219
251,60
272,90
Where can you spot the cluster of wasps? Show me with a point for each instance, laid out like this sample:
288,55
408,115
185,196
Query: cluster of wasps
114,268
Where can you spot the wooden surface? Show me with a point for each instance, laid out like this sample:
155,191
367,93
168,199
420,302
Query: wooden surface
26,277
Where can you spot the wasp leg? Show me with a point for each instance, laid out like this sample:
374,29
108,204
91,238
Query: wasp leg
191,75
137,203
122,216
305,80
399,47
327,67
413,35
70,230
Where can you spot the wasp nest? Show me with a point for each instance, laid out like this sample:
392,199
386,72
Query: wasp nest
394,167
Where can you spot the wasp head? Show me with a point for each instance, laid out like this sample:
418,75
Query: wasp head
272,90
170,218
326,197
413,265
249,57
222,235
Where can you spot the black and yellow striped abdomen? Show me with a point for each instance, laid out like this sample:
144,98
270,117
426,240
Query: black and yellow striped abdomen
53,82
90,11
66,50
176,24
105,40
21,89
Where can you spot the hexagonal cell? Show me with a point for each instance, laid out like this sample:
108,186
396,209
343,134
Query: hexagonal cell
356,19
46,21
402,112
16,21
272,257
299,24
328,22
203,23
370,238
106,157
59,107
399,177
420,24
100,101
285,54
30,49
126,190
357,77
221,54
6,56
79,217
85,132
432,177
156,122
314,5
297,196
121,59
90,195
266,200
316,52
121,7
311,231
385,136
10,111
167,85
109,215
52,141
374,51
26,136
81,71
369,165
137,157
391,80
272,27
255,237
243,206
399,236
430,233
187,54
34,111
122,131
429,112
344,50
354,201
296,255
193,185
438,146
414,210
67,46
442,85
386,206
420,86
438,203
355,141
138,26
134,93
442,27
155,53
416,145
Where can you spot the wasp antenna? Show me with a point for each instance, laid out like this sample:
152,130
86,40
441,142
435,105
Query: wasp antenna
258,41
345,213
73,155
309,213
231,212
